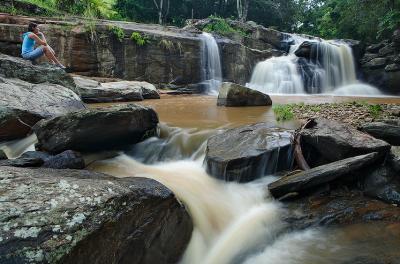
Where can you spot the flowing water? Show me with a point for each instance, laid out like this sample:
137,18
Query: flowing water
330,70
211,63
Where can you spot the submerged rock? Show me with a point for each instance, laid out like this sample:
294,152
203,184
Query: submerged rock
325,141
96,129
70,216
249,152
388,130
22,104
231,94
122,91
13,67
304,181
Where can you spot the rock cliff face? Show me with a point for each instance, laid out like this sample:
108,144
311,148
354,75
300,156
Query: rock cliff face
170,55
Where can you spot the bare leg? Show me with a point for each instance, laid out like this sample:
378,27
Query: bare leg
48,51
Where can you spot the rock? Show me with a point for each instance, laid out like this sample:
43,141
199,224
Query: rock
249,152
382,183
96,129
376,63
22,162
388,131
385,51
304,50
396,37
66,160
12,67
368,57
231,94
3,155
71,216
376,47
23,104
392,67
394,159
307,180
325,141
94,92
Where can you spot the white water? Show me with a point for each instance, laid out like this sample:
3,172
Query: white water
331,71
211,63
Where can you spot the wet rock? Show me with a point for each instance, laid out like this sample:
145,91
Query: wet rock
388,131
122,91
392,67
22,162
96,129
394,158
383,183
12,67
3,155
376,63
339,207
325,141
368,57
304,50
22,104
71,216
385,51
376,47
304,181
249,152
66,160
231,94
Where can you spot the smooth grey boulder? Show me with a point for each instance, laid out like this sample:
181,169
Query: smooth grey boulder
97,129
387,130
304,181
78,216
22,104
232,94
324,141
122,91
249,152
13,67
383,183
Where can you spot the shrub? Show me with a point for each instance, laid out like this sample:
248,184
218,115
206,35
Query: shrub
283,112
139,39
117,32
221,26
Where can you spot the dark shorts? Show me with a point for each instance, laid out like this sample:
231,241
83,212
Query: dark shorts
34,54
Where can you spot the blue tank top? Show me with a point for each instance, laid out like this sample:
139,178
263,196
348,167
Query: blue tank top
28,44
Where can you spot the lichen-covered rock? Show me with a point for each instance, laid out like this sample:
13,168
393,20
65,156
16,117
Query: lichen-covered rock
231,94
22,104
70,216
324,141
249,152
12,67
122,91
96,129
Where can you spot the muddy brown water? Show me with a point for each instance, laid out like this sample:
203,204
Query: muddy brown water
199,111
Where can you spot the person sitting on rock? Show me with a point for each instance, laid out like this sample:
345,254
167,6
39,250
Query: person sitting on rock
29,40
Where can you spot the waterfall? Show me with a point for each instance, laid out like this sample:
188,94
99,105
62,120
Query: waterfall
326,67
210,63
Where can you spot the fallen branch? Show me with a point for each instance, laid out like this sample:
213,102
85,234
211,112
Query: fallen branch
298,153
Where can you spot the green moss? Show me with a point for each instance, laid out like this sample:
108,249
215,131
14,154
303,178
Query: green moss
375,110
139,39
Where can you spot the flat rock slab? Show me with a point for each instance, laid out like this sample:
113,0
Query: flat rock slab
231,94
71,216
388,131
303,181
249,152
13,67
325,141
92,91
22,104
97,129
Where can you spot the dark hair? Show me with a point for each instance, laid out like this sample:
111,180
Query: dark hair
32,26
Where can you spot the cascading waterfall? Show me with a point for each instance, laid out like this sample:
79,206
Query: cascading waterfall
329,68
210,63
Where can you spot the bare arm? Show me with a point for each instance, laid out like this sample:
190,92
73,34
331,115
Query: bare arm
41,35
37,39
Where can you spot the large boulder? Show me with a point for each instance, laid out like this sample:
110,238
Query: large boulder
304,181
122,91
387,130
71,216
97,129
22,104
12,67
325,141
231,94
249,152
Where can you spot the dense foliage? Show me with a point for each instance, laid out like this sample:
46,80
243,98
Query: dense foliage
368,20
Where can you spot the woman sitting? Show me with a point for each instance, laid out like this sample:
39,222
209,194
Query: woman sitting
29,40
